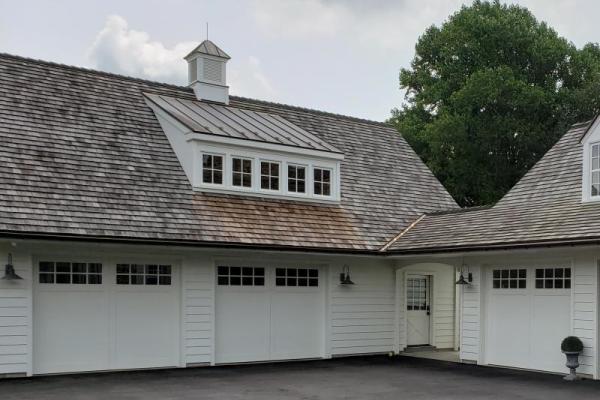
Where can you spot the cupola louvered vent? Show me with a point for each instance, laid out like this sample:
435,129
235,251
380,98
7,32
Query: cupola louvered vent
212,71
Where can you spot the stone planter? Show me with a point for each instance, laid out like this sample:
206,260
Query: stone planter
572,364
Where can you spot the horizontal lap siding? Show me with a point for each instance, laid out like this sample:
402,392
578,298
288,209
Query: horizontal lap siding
198,298
471,317
585,310
363,315
15,319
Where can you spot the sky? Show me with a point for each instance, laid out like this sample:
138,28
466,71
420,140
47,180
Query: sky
342,56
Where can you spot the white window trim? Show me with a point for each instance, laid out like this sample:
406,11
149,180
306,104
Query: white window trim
591,169
252,160
223,172
259,155
331,181
306,179
280,176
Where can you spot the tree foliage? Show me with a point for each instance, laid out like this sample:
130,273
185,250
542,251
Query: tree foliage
489,92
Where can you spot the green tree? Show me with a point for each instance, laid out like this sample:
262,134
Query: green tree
489,92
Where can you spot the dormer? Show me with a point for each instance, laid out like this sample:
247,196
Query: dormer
591,163
231,150
207,72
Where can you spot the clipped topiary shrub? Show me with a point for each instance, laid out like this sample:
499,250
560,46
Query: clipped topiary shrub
571,344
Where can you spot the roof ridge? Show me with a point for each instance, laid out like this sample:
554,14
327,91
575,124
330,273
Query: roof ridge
94,71
186,89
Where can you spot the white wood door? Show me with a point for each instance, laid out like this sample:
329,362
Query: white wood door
418,309
528,315
84,320
268,313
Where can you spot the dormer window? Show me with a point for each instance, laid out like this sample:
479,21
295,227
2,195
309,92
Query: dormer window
296,179
241,172
212,169
322,181
595,170
269,175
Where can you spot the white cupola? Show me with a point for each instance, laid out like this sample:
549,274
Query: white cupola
207,72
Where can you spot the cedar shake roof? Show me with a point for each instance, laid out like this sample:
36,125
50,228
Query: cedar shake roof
83,156
544,208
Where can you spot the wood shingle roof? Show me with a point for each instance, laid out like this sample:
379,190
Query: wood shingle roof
83,156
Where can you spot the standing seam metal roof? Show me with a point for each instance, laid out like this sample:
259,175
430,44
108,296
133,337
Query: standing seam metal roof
215,119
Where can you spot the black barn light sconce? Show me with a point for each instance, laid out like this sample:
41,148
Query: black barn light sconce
461,279
345,276
9,271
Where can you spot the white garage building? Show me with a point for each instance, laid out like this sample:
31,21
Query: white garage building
159,226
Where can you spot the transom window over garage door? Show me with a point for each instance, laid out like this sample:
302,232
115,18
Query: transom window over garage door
77,273
301,277
143,274
240,276
514,278
553,278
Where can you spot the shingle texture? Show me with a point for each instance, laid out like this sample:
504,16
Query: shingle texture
544,207
208,47
233,122
82,154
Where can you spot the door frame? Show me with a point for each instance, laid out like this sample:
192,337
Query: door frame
431,276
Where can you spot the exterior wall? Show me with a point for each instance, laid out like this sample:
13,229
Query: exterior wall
362,316
470,318
15,316
360,319
198,296
442,304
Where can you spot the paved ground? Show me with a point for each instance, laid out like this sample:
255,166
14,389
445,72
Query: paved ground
360,378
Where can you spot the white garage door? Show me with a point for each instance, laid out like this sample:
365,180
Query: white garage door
89,316
269,313
528,315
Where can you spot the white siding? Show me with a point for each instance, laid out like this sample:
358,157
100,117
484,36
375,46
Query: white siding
470,339
198,311
15,317
585,302
362,315
442,306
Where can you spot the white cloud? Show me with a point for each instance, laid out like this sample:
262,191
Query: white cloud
247,79
123,50
120,49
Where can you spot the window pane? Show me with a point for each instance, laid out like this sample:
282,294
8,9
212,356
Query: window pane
218,162
164,269
218,177
47,278
259,271
264,168
46,266
137,279
237,165
326,176
223,270
151,280
259,281
326,189
275,183
223,280
300,187
63,278
237,179
95,268
274,169
80,268
63,267
207,176
318,174
78,279
247,165
152,269
164,280
301,172
206,161
247,181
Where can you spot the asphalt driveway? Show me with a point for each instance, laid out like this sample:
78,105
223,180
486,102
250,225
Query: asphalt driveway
356,378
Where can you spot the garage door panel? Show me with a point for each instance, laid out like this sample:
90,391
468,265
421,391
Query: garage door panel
73,322
297,325
145,329
550,325
242,326
509,326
